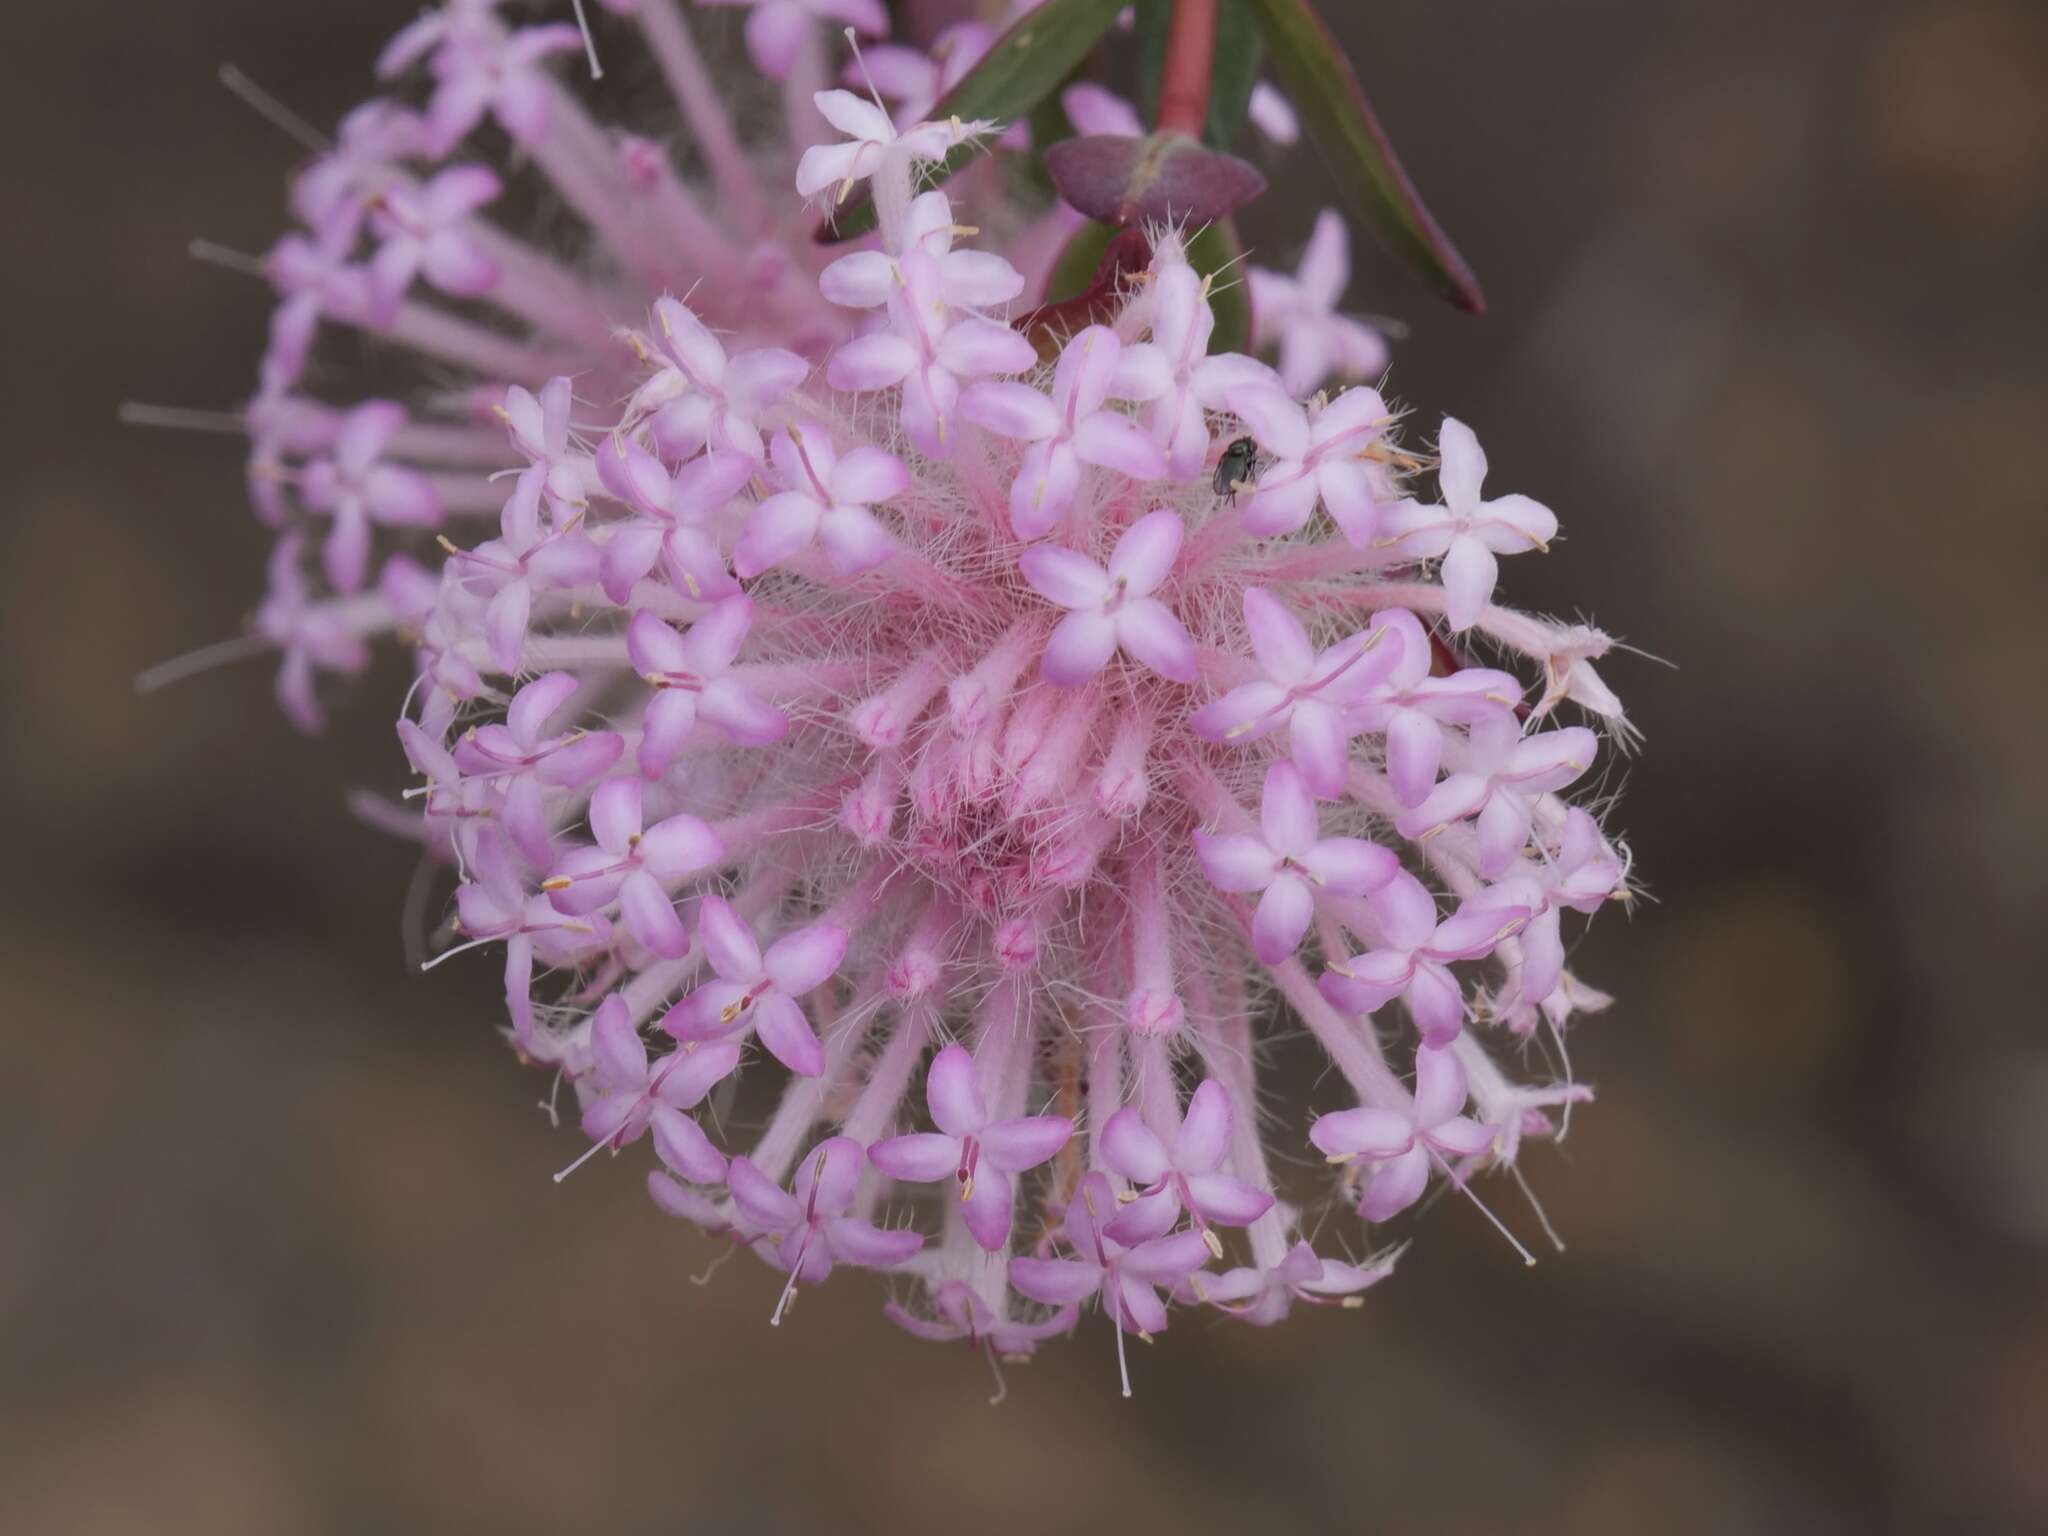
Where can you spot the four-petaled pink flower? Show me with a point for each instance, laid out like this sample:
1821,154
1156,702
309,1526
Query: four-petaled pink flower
1504,774
716,400
1263,1297
824,500
540,430
1582,872
309,634
1176,372
1290,862
421,234
499,74
757,989
636,867
1306,690
1414,959
968,278
1073,428
1181,1176
630,1094
689,675
1299,313
1317,457
964,1315
1403,1142
519,746
967,1147
778,30
871,139
1113,608
675,526
1466,531
355,487
1410,708
523,560
1125,1274
810,1218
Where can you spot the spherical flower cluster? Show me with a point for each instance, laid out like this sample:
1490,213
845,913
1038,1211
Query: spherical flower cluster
989,734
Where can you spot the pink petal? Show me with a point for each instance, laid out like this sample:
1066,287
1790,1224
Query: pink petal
616,1049
1503,833
1462,467
1015,1145
1144,555
1235,862
1166,1259
1514,525
1116,442
535,704
988,1208
679,846
776,34
1351,866
699,1069
763,1204
1128,1146
1460,1137
1227,1201
1468,573
1243,714
1056,1282
651,917
853,541
1278,639
1283,916
870,362
750,721
1321,747
1287,813
952,1091
867,475
1280,424
777,529
1372,1133
1062,577
1436,1003
975,347
1048,477
682,1145
1204,1135
863,280
1285,497
1414,748
870,1246
787,1034
1010,410
1078,648
800,961
728,943
1395,1186
1439,1086
918,1159
1152,636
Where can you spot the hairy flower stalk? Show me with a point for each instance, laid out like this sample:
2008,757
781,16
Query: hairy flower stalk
825,683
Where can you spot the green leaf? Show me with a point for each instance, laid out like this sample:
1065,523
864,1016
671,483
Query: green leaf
1215,252
1239,54
1332,104
1025,66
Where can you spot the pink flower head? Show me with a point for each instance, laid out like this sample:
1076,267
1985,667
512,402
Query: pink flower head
355,486
423,233
825,500
968,1148
810,1219
630,1094
1303,689
1504,777
1112,608
1073,428
1264,1296
1290,862
1183,1176
634,866
759,991
778,30
1466,532
1317,458
1414,959
690,676
1299,314
1402,1144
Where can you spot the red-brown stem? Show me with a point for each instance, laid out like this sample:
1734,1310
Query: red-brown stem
1190,59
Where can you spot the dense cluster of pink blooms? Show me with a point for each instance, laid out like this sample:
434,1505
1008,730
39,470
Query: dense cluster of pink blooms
822,678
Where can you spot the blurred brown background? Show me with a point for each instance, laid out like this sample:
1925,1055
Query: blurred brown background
278,1251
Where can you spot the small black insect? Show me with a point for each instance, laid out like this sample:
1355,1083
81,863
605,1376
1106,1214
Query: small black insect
1235,468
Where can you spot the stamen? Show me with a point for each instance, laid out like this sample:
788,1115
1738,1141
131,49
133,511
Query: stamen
226,257
204,659
136,414
273,111
589,42
599,1146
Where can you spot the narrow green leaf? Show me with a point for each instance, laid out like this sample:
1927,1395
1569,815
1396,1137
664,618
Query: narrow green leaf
1332,104
1239,54
1026,64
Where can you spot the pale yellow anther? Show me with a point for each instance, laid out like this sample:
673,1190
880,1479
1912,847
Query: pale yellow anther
731,1011
1215,1243
556,883
967,1189
447,544
1352,1303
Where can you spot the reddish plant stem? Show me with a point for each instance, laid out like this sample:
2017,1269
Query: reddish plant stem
1190,60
